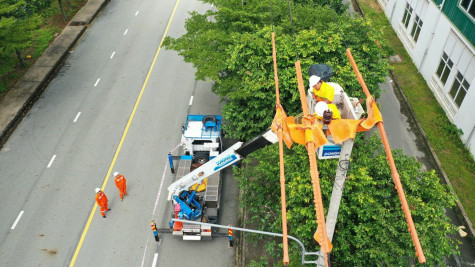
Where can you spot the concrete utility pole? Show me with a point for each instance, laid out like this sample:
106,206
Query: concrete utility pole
337,192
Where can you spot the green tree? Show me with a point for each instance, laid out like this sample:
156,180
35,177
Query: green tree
232,46
371,229
17,27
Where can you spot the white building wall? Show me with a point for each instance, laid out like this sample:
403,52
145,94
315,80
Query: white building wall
437,36
440,29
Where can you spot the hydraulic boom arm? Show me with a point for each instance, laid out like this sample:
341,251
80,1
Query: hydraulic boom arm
230,156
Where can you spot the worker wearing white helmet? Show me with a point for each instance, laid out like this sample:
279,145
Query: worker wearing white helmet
102,201
121,184
322,91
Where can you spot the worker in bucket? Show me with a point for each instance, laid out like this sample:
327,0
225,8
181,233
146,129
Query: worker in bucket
120,183
322,91
101,200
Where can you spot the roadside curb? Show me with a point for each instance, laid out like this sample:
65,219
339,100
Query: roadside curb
18,100
460,210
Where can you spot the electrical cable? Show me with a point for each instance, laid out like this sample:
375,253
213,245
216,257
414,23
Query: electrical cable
293,31
337,25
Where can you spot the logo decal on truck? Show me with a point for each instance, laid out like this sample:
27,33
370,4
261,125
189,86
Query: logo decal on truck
225,161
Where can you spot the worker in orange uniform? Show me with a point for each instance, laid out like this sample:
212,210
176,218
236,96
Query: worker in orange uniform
101,200
322,91
120,182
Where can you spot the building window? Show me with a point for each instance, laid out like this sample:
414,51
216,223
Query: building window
407,15
459,89
468,6
416,28
445,67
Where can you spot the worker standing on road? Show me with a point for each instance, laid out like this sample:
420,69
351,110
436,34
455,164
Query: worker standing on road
101,200
120,182
322,91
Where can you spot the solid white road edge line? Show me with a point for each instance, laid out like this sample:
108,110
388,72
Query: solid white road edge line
51,161
17,220
77,116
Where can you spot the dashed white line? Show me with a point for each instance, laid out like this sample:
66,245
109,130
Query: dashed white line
97,82
191,100
113,53
126,31
17,220
77,116
136,13
155,257
51,161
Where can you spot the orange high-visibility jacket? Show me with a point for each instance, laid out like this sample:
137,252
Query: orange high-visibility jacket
101,199
119,180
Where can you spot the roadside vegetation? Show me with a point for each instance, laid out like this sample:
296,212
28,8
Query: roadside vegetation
26,30
443,136
232,47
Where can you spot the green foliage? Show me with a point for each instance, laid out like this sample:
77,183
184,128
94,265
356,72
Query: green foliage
452,129
232,46
17,27
261,263
371,227
42,40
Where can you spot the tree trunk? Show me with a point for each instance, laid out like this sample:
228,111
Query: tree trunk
20,57
60,2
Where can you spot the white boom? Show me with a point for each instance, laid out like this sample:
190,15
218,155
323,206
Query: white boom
230,156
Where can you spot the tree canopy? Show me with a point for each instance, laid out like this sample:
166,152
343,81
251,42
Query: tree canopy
232,46
18,23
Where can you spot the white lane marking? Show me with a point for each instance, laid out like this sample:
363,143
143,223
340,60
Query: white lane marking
155,257
17,220
191,100
97,82
77,116
161,182
113,53
126,31
136,13
160,189
51,161
145,252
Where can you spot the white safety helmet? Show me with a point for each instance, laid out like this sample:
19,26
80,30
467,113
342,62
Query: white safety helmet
115,174
320,107
97,190
314,79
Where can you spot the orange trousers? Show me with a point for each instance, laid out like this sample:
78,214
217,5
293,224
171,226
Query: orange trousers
122,190
104,208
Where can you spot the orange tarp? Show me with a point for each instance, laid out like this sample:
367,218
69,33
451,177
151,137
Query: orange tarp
344,129
302,134
374,115
280,119
318,236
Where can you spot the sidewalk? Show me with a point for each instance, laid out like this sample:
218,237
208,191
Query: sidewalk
18,100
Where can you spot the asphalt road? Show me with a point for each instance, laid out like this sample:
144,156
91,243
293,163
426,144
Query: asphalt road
104,113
